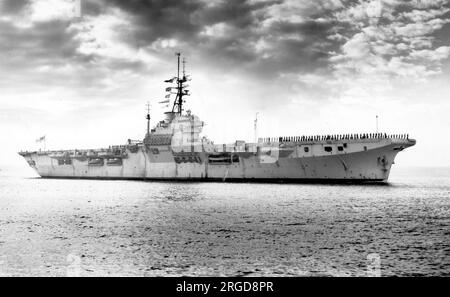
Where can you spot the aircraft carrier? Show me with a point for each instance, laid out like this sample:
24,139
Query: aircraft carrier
175,150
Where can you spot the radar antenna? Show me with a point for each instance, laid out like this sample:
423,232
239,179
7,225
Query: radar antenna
181,87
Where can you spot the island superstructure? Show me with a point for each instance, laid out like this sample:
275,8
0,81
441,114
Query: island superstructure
175,150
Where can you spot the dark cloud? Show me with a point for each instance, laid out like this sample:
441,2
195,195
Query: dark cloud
279,47
11,7
309,47
45,53
92,7
236,50
47,41
44,56
161,18
239,14
267,40
48,44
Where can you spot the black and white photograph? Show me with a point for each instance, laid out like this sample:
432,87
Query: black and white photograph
262,139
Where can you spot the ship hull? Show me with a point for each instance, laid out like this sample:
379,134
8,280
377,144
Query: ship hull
232,180
287,166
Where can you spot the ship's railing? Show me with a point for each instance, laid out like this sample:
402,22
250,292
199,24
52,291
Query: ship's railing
333,137
111,150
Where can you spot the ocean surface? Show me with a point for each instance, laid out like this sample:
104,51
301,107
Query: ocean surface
133,228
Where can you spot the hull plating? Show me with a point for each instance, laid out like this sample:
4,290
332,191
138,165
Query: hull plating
143,164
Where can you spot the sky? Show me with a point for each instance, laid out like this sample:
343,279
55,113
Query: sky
81,71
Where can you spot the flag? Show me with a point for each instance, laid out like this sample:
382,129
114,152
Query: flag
165,101
167,96
168,89
41,139
169,80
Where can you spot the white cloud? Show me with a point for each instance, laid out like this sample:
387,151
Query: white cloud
424,15
383,48
420,42
99,36
368,12
374,9
425,4
357,47
217,30
399,47
438,54
164,44
419,28
47,10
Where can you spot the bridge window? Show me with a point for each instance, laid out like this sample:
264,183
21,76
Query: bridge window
328,148
340,148
306,149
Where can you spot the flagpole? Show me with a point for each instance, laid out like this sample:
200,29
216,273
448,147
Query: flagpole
376,123
256,127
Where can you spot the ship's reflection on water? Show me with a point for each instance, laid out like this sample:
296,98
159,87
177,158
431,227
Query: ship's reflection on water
177,192
82,227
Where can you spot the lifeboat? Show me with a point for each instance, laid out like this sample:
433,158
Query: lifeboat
187,159
92,154
224,158
114,161
96,162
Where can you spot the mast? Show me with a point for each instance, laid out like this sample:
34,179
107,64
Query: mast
178,58
181,87
148,118
376,118
256,127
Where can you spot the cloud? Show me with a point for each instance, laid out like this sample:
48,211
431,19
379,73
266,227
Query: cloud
439,54
389,40
51,48
41,11
250,35
48,43
12,7
419,28
420,16
282,42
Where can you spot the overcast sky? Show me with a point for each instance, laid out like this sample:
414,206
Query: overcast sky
82,77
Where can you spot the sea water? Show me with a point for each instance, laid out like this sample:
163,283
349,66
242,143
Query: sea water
59,227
